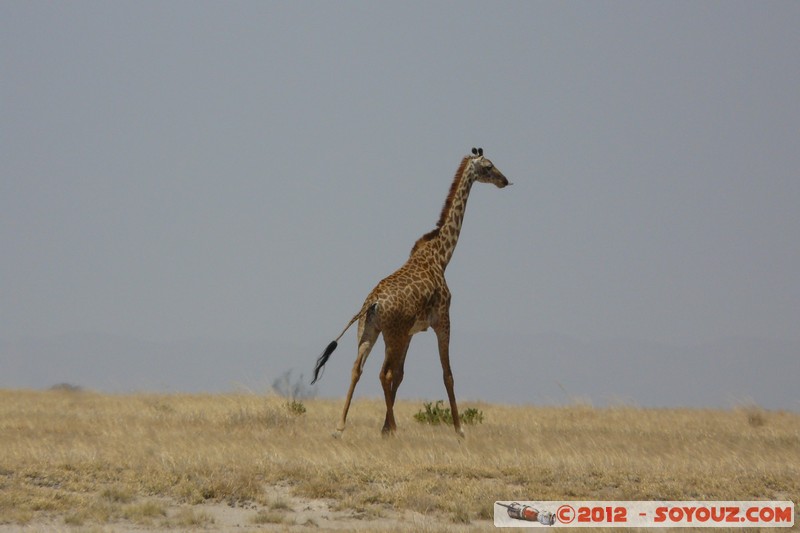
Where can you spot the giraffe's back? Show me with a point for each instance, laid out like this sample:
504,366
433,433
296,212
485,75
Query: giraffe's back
408,299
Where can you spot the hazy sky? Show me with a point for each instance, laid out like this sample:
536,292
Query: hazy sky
247,171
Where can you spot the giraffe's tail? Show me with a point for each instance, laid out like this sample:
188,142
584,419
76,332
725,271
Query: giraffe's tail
322,359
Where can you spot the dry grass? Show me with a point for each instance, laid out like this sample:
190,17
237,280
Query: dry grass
84,458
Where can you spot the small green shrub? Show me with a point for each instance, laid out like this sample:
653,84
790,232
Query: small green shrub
296,407
436,414
472,416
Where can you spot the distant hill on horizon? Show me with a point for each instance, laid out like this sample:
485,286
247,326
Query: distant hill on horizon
513,369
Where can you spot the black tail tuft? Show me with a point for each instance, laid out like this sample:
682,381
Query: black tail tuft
323,359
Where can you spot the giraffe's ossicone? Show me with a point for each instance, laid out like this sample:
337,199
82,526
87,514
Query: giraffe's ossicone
415,297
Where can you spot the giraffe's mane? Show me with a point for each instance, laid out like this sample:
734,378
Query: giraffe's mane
448,204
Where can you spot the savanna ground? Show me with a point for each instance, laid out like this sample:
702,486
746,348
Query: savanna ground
80,461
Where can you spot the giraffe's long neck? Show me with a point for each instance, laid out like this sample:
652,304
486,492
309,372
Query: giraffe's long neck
449,225
452,219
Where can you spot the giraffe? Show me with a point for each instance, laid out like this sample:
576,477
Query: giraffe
415,297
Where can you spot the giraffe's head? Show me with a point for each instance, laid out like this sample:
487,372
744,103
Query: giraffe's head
485,171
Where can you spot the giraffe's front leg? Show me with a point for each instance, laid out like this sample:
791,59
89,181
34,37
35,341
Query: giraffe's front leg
442,329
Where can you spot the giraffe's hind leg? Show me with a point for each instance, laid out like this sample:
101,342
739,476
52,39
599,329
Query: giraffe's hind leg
367,335
392,375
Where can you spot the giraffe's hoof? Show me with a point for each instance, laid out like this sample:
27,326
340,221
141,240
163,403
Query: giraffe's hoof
460,433
337,434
